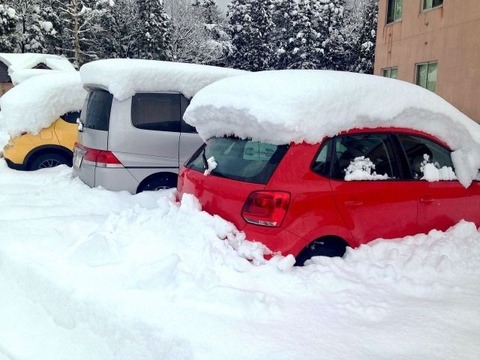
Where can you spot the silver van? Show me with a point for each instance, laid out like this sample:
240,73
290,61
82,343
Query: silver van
131,131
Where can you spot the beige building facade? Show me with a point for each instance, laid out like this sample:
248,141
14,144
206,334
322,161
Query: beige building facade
435,44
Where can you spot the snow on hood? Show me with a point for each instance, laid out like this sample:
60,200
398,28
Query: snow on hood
286,106
124,77
37,102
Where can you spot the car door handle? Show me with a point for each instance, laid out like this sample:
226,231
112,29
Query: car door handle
354,203
427,199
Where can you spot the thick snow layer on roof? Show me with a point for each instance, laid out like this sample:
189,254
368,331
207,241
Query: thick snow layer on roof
22,75
25,61
124,77
306,105
37,102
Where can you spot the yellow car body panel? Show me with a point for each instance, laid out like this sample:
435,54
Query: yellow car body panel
20,151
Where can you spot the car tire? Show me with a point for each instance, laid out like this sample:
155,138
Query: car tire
331,247
159,182
48,161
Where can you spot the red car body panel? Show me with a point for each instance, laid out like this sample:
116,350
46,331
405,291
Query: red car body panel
355,211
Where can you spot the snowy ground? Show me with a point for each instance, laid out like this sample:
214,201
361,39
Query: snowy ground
92,274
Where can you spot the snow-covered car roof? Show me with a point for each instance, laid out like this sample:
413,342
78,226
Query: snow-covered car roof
287,106
125,77
37,102
21,66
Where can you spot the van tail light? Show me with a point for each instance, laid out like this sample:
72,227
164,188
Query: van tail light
101,158
266,208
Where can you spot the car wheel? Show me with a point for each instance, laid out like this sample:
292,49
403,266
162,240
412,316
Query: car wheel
159,182
330,247
48,161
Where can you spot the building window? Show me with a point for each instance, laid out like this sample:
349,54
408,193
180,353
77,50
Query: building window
394,12
430,4
427,75
390,72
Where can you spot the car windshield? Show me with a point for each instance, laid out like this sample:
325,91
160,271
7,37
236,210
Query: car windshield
238,159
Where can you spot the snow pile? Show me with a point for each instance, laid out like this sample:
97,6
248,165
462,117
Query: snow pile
433,172
280,107
37,102
92,274
361,169
124,77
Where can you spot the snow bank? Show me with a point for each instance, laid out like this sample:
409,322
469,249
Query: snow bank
99,275
124,77
37,102
306,105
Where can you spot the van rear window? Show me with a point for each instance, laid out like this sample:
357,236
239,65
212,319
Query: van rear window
238,159
96,110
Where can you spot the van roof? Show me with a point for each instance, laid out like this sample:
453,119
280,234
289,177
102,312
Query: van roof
287,106
125,77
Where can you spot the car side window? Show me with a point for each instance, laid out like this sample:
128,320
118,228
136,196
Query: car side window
322,162
156,111
423,155
71,117
364,157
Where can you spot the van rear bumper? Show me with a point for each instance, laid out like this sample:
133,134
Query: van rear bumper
110,178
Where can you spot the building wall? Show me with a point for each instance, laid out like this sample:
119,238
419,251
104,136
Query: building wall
449,34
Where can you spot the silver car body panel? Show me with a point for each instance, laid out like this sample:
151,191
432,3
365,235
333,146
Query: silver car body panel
142,153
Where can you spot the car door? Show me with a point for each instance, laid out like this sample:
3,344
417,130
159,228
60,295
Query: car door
442,200
371,196
147,134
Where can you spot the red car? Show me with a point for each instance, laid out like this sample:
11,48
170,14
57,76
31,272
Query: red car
311,199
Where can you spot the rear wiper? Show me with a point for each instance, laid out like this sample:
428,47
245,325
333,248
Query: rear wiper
208,164
205,162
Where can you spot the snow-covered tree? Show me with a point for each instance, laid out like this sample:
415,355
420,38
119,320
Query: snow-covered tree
197,35
154,33
330,14
361,30
252,31
300,41
80,27
120,27
209,9
8,23
35,27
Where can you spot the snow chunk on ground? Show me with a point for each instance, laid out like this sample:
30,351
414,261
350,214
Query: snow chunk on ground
37,102
124,77
286,106
113,276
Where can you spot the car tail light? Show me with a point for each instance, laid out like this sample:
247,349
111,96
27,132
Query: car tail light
101,158
267,208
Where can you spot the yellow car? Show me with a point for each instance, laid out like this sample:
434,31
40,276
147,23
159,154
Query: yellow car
51,147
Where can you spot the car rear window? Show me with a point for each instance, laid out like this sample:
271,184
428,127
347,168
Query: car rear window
96,110
238,159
